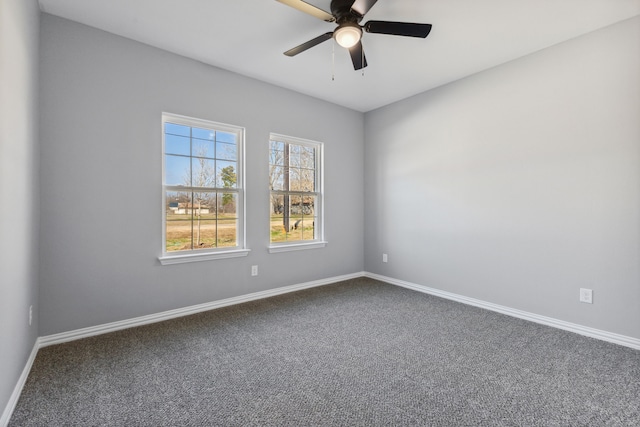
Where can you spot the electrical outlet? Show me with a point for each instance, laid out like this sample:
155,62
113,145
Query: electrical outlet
586,295
30,314
254,270
385,258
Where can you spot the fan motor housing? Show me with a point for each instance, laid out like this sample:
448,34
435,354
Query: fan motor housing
341,10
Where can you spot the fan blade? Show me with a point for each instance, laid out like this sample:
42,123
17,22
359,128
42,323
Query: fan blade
309,9
398,28
308,45
361,7
357,57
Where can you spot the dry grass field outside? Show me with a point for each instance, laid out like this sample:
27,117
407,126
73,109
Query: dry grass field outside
208,232
203,233
301,227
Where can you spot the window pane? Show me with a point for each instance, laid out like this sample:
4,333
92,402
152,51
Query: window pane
227,205
297,222
301,179
176,199
308,228
278,233
307,158
308,205
175,129
276,153
276,145
175,203
203,174
303,219
307,180
204,203
226,173
277,209
226,137
295,230
227,232
276,177
277,205
294,179
177,170
204,233
302,228
203,148
177,145
296,206
178,233
204,219
178,226
226,151
206,134
294,155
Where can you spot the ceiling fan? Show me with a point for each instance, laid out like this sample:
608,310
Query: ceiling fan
348,34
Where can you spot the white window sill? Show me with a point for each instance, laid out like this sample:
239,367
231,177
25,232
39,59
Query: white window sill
195,257
295,247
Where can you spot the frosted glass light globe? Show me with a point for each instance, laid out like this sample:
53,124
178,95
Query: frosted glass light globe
348,36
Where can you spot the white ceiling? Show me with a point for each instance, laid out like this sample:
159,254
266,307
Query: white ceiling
249,36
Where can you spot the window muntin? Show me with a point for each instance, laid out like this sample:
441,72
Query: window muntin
295,201
203,190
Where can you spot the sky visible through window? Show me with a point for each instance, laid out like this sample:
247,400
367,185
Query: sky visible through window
188,150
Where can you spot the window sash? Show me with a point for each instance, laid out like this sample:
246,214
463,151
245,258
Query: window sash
282,159
237,190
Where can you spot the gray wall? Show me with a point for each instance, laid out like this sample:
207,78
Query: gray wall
102,99
18,187
518,185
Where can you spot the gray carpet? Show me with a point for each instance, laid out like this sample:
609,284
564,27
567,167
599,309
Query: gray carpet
356,353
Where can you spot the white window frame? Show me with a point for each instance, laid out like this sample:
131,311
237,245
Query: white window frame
240,250
319,241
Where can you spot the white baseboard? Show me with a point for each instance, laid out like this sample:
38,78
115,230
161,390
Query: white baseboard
17,390
548,321
172,314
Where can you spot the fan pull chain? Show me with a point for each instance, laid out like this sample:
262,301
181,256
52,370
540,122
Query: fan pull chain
333,61
362,51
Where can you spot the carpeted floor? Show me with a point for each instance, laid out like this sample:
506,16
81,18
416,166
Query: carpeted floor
356,353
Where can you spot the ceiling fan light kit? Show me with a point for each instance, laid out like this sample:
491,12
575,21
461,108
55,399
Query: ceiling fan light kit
348,14
348,35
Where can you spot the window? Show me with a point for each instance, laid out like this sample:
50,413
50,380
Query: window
295,202
203,194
